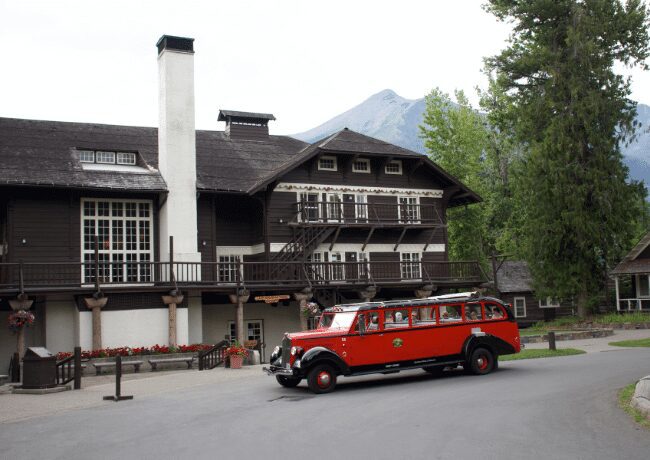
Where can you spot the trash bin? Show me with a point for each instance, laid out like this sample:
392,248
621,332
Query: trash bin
39,368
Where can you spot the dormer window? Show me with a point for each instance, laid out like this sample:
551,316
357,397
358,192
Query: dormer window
394,167
107,157
361,165
326,163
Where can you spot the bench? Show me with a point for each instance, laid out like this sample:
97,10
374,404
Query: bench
155,361
3,378
99,366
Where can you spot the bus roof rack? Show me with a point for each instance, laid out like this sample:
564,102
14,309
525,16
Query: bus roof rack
459,295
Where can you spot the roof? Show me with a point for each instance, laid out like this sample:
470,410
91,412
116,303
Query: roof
224,114
41,153
514,276
637,260
435,300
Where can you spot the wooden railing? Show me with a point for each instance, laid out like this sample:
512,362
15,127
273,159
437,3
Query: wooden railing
211,358
249,274
634,304
364,213
69,369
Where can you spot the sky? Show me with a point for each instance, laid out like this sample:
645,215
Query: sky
304,61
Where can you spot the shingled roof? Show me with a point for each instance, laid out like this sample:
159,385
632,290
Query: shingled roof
514,276
637,260
41,153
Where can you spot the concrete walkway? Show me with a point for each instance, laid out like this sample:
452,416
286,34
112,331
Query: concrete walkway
595,345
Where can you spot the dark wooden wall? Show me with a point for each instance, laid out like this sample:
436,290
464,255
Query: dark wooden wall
533,312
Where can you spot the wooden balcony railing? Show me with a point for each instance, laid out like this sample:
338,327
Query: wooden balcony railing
635,304
366,213
250,274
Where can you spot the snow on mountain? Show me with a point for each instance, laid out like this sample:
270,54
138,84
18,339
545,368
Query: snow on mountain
392,118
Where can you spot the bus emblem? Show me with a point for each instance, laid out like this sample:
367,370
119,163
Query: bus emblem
397,343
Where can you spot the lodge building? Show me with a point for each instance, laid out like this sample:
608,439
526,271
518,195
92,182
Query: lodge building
111,230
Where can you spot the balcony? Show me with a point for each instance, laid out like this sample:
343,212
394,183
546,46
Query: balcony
362,214
66,276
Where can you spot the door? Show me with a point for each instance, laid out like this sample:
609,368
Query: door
309,207
334,207
348,207
253,330
351,266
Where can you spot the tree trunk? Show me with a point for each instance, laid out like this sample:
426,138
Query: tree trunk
583,304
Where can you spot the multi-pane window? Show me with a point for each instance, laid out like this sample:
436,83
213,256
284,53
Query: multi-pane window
124,231
326,163
361,208
549,302
361,165
228,268
409,210
410,265
310,207
394,167
520,307
107,157
337,270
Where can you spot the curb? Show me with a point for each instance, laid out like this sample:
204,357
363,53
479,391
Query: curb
641,398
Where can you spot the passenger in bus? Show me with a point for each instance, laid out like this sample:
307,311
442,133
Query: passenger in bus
374,323
473,316
398,317
496,314
389,318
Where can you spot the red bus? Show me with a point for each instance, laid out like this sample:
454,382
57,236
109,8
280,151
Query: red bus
385,337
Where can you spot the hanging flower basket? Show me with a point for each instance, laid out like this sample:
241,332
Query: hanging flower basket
20,319
310,309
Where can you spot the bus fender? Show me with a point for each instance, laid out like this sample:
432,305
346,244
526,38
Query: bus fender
318,355
496,345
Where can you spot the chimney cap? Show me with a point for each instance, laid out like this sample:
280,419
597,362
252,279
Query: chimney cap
172,43
235,115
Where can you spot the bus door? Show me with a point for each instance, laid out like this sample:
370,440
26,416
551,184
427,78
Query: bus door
398,344
364,348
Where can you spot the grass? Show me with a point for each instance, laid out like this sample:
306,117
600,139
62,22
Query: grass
541,353
632,343
624,398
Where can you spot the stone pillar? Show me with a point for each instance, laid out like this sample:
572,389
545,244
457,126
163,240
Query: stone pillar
172,300
96,304
368,293
240,299
302,298
425,291
21,303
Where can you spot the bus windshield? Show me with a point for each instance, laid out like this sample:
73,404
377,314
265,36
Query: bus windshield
340,320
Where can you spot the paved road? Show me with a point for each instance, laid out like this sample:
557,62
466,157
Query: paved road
562,408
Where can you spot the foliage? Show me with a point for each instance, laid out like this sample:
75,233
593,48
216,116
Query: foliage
19,319
574,113
541,353
631,343
624,398
136,351
236,350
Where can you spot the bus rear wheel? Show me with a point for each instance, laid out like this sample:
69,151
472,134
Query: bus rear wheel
288,382
481,362
322,379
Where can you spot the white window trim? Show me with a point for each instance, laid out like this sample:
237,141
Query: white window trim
130,155
514,306
638,286
361,160
396,162
123,218
417,209
549,303
403,267
328,157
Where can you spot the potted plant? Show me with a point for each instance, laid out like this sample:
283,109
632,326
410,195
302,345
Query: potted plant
236,354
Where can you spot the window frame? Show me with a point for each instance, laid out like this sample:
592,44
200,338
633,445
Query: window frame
365,161
328,157
131,155
394,162
549,302
408,265
415,219
639,294
514,306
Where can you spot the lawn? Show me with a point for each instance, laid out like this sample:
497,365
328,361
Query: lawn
542,353
624,398
632,343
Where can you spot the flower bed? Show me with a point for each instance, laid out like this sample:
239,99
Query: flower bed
137,351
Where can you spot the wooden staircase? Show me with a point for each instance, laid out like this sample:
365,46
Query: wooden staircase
304,242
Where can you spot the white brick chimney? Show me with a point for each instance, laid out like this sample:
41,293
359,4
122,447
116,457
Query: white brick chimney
177,147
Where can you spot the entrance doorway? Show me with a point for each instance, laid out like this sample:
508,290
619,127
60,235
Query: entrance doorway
253,330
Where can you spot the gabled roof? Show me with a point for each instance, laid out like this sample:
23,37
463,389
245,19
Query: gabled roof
514,276
40,153
347,141
635,261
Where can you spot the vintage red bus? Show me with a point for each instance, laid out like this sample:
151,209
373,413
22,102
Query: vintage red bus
385,337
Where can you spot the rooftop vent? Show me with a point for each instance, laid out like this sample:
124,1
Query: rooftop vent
246,125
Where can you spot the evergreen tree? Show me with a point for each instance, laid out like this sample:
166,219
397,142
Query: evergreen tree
573,111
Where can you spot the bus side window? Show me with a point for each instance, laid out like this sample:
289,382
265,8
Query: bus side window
423,316
450,313
473,312
396,318
493,311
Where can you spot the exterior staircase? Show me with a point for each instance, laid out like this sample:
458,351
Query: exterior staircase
305,241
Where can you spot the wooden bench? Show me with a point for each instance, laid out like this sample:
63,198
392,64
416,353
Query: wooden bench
155,361
99,366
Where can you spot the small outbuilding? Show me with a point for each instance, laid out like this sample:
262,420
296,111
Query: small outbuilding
632,278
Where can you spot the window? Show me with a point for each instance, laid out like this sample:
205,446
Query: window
253,331
364,264
409,209
326,163
450,313
423,316
394,167
228,266
520,307
309,207
334,207
549,302
361,208
396,318
361,165
86,156
644,285
410,265
337,271
473,312
106,157
125,239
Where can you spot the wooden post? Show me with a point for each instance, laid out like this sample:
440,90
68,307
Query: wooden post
77,368
239,299
551,341
15,368
118,383
618,296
